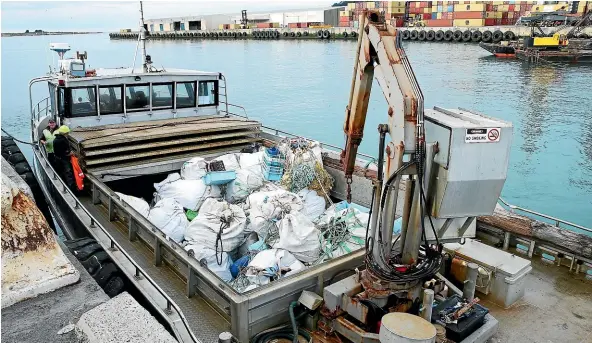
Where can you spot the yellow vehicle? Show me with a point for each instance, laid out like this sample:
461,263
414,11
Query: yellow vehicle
557,40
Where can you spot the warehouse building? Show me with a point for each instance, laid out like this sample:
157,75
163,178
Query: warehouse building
323,16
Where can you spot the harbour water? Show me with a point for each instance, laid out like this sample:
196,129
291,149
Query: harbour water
303,87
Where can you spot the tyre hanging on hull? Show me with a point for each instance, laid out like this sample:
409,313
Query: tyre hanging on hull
439,35
497,36
466,36
457,36
476,36
320,34
421,35
509,35
413,35
430,35
326,34
486,36
98,264
405,35
448,35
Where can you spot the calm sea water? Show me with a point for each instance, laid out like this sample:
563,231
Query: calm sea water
303,87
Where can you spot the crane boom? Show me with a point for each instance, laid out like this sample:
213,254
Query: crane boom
380,55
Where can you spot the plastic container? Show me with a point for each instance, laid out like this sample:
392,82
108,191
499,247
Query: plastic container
465,326
509,271
273,164
219,177
272,173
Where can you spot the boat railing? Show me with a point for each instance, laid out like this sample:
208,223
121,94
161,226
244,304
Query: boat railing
558,222
41,109
139,272
244,115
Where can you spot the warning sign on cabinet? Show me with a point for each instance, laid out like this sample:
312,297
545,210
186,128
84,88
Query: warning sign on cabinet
488,135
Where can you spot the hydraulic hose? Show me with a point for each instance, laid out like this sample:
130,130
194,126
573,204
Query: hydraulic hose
293,304
284,331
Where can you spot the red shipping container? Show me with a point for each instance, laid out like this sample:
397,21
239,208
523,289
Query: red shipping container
469,15
506,21
303,25
504,15
498,21
293,25
489,7
343,19
264,25
412,4
341,24
427,16
489,22
423,4
439,23
510,8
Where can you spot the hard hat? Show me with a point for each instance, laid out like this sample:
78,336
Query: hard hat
64,129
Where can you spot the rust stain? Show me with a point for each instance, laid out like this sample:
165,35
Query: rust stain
350,326
412,117
24,227
390,111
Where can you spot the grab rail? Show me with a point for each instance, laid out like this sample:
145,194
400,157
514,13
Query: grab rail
556,220
237,106
170,304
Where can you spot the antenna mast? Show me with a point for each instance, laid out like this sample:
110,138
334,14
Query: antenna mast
143,38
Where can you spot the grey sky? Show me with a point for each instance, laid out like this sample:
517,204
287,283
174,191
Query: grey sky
18,16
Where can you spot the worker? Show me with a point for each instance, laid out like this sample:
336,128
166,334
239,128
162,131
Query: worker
62,152
47,141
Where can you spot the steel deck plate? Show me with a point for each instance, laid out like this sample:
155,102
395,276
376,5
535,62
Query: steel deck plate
205,322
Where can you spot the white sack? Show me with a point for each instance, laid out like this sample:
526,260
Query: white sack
194,169
246,182
189,193
204,228
272,262
230,162
222,270
309,155
138,204
299,236
249,160
266,208
314,205
169,217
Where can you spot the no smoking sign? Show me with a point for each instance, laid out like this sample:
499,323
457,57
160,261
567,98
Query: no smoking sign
485,135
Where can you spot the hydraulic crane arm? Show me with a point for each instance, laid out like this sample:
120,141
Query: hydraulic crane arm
380,55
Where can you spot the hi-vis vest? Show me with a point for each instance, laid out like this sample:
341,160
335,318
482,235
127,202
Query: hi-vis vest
49,137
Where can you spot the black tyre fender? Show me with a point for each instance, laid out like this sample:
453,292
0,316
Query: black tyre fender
583,36
326,34
405,35
292,34
439,35
457,36
476,36
354,34
298,34
421,35
98,264
413,35
497,36
509,35
306,33
244,34
285,34
320,34
448,35
486,36
430,35
276,34
466,36
344,34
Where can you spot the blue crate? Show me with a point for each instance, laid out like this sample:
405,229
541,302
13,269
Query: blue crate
272,173
219,177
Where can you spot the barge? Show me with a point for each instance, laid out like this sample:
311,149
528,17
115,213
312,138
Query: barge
130,127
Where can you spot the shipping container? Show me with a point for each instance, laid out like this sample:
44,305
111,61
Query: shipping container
489,22
469,8
469,15
398,11
438,23
344,19
439,15
345,24
450,8
427,10
426,16
498,15
469,22
505,21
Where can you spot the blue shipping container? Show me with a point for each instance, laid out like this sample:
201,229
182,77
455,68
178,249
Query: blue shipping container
450,8
439,8
434,15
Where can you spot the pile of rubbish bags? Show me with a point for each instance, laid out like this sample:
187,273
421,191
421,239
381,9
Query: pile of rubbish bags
252,231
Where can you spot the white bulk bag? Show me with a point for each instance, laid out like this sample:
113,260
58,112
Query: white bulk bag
138,204
194,169
299,236
169,217
246,182
189,193
222,270
249,160
266,208
272,262
230,161
213,215
314,205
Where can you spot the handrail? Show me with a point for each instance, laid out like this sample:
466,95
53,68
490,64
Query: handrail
238,106
113,243
556,220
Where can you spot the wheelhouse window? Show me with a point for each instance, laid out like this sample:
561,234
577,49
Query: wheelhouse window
208,93
137,97
82,102
162,95
185,94
61,101
110,99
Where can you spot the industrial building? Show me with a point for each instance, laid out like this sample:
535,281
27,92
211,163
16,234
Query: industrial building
322,16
